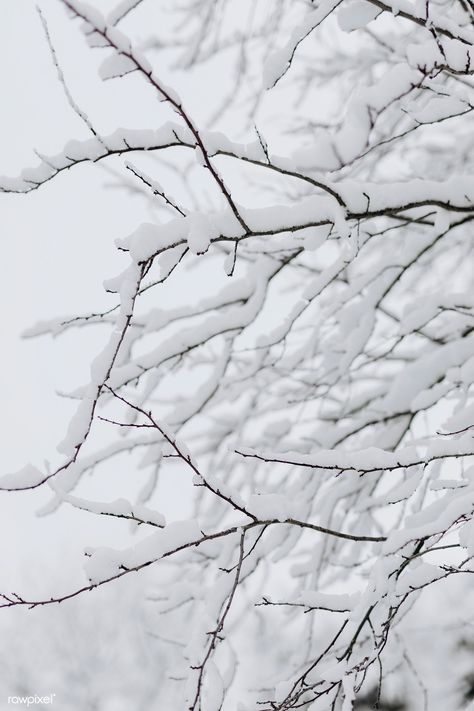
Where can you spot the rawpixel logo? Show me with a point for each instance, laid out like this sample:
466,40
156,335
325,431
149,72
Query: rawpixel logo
31,700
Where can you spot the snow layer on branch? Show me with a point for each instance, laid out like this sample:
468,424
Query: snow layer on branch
415,318
121,8
217,142
314,209
435,518
371,458
67,480
28,476
424,55
463,375
223,487
116,65
90,13
236,317
119,507
103,563
401,491
417,577
416,377
92,149
461,420
456,192
96,39
438,19
237,290
357,14
195,401
122,139
427,55
267,507
213,694
466,536
101,366
150,239
340,603
439,108
459,56
201,232
279,61
327,150
56,326
119,39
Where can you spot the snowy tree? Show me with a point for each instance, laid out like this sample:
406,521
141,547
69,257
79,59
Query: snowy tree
291,336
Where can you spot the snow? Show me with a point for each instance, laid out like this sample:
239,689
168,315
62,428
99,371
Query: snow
356,15
194,403
89,13
282,689
96,39
279,61
370,459
325,601
92,149
214,689
68,479
401,491
442,221
275,66
418,576
27,476
459,55
441,484
120,9
438,109
235,317
433,304
329,149
350,313
435,518
103,563
119,507
460,420
424,54
201,233
80,424
116,66
268,507
426,371
466,537
118,39
348,686
224,488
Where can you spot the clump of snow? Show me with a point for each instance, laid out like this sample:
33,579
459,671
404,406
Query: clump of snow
268,507
356,15
116,66
28,476
201,232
